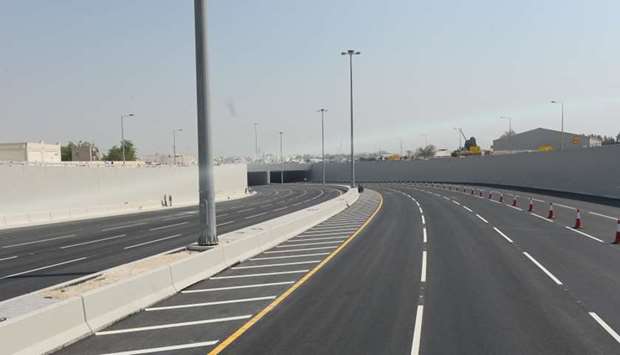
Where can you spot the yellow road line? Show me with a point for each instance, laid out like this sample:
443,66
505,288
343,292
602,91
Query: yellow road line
234,336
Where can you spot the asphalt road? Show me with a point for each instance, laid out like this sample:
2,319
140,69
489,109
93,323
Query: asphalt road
32,258
437,271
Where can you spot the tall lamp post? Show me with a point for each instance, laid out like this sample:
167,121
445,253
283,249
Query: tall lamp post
351,53
174,144
256,140
281,160
509,136
207,235
458,134
562,106
123,116
322,111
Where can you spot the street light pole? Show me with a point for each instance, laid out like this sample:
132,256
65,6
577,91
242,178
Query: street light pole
174,145
207,234
281,160
322,111
255,140
562,137
509,136
123,116
458,134
351,53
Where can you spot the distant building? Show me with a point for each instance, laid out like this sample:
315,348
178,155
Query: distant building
85,151
30,152
442,153
542,139
165,159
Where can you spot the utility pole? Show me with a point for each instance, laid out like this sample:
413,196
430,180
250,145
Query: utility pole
322,111
123,116
174,145
256,140
562,136
207,235
281,160
351,53
509,136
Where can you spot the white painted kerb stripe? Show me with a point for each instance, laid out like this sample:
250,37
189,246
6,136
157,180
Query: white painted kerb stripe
166,348
173,325
238,287
276,265
205,304
259,275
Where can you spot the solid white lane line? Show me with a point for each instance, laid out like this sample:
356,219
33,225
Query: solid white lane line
423,219
255,215
289,256
238,287
168,226
9,258
481,218
172,325
605,326
565,206
276,265
421,211
551,276
584,234
423,272
503,235
307,244
93,241
602,215
259,275
280,209
417,330
292,250
541,217
152,241
245,210
467,209
424,234
205,304
297,239
40,241
166,348
222,214
43,268
123,226
225,223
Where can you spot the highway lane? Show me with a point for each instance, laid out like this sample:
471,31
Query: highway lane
198,318
36,257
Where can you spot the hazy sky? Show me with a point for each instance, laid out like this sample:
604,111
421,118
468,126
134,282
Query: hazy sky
68,69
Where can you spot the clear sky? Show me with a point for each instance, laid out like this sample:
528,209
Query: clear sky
68,69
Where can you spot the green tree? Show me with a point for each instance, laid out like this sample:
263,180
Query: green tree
116,153
426,152
66,151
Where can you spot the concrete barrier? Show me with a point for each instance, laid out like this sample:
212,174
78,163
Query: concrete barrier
104,306
45,329
64,322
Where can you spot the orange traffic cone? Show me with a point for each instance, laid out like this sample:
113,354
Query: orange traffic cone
578,220
550,214
617,241
514,201
530,208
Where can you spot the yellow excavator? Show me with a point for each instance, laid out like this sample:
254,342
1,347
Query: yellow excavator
470,147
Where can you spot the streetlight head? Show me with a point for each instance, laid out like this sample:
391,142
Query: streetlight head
130,115
343,53
554,102
357,53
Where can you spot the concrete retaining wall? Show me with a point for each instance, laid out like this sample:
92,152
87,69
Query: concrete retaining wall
61,323
593,171
31,194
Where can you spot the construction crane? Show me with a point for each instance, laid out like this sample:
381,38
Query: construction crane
470,147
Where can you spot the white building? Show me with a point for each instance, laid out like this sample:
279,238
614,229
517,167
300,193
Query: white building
30,152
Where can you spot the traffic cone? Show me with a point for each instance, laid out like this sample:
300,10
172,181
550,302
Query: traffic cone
490,195
501,197
530,208
472,191
514,201
480,193
550,214
578,220
617,241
